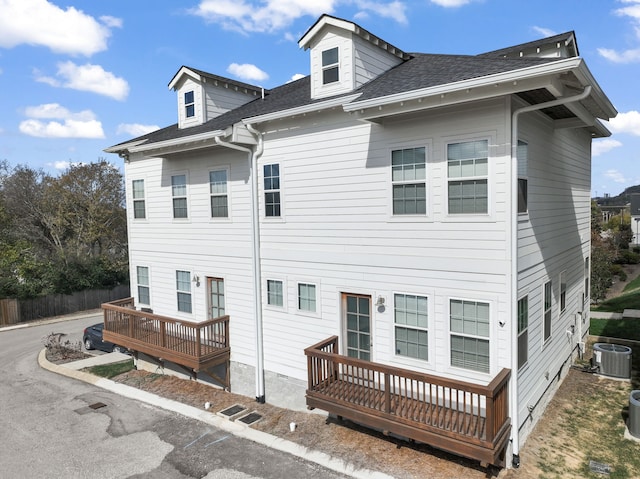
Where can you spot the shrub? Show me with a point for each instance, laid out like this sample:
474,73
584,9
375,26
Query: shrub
616,270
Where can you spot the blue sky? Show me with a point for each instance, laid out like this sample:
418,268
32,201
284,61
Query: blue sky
81,75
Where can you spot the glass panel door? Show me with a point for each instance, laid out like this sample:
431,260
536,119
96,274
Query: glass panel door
357,319
216,298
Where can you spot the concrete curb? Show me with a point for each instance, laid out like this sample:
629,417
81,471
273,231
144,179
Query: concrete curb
245,432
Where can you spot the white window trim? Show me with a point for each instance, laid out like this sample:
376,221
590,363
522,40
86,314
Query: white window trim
472,373
373,317
323,67
274,307
229,216
262,191
191,292
144,199
468,217
137,296
314,314
207,292
411,218
563,274
390,307
546,341
171,197
520,298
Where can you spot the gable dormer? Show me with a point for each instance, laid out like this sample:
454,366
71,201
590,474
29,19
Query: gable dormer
203,96
345,56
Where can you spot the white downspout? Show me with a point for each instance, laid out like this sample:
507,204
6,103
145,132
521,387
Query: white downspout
253,155
515,430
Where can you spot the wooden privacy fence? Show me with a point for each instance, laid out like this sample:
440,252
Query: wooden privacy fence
467,419
14,311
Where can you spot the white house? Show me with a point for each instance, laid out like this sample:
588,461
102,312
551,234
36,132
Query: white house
431,211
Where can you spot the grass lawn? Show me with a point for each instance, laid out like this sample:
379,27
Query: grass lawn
629,299
111,370
616,328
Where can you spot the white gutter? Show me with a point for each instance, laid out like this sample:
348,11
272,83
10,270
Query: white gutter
515,430
256,271
177,141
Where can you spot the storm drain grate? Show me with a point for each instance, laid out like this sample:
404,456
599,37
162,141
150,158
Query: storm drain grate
232,411
97,405
251,418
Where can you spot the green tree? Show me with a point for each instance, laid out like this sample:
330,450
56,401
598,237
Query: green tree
603,254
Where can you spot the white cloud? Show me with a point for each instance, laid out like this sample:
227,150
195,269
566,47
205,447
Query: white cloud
41,23
135,129
67,129
628,122
112,22
451,3
295,77
630,55
274,15
546,32
82,124
616,176
247,72
88,77
394,10
603,146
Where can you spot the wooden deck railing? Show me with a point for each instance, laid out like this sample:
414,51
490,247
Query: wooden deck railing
194,345
463,418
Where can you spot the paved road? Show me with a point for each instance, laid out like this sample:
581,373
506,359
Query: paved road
49,430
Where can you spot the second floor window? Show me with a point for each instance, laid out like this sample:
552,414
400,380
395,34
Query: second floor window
139,208
467,171
330,66
275,293
272,190
408,176
189,105
179,194
563,291
218,191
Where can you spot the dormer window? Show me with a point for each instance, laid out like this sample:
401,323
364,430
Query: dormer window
330,66
189,104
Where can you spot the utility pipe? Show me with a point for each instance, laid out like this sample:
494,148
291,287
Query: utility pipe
515,434
253,155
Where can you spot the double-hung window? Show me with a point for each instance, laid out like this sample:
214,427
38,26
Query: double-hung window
469,325
307,297
272,190
411,318
189,104
179,194
142,274
467,171
548,291
216,298
563,291
275,293
408,176
523,331
523,182
183,288
218,192
330,66
139,208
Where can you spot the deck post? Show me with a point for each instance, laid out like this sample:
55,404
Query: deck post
387,393
198,346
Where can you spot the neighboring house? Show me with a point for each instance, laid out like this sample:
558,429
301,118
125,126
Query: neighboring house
431,211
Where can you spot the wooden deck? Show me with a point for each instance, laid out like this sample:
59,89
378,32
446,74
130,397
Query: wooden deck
462,418
196,346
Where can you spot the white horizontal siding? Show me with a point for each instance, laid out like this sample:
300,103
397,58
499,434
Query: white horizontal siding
370,61
221,98
553,237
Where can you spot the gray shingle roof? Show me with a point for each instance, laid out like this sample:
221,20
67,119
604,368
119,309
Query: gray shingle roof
420,71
